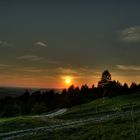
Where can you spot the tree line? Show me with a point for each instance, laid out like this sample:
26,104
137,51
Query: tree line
39,102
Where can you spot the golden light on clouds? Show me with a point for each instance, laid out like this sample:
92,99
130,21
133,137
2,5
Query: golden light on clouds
20,76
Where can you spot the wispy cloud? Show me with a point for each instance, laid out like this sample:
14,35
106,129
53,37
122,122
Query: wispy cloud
78,72
4,66
31,70
67,70
128,67
30,57
5,44
131,34
41,44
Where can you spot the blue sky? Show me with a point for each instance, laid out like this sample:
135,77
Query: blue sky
79,39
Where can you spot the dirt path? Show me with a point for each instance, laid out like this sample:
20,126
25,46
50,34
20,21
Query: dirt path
68,124
53,114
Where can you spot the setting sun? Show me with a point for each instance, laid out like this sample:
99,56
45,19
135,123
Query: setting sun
68,81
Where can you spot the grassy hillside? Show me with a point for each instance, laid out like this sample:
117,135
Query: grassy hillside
117,129
122,127
103,106
24,122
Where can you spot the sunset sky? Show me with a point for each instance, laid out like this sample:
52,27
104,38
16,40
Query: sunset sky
54,43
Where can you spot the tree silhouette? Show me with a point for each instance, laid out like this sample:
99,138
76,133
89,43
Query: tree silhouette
105,79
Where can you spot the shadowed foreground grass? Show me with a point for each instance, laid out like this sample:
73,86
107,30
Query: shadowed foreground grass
24,122
121,128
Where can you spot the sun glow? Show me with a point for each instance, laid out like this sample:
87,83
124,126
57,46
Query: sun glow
68,81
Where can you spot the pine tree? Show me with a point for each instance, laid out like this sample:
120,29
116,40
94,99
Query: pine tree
105,79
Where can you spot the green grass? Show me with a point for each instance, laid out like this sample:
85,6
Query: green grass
24,122
120,128
106,105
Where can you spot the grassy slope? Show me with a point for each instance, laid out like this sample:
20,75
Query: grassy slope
120,128
106,105
117,129
24,122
